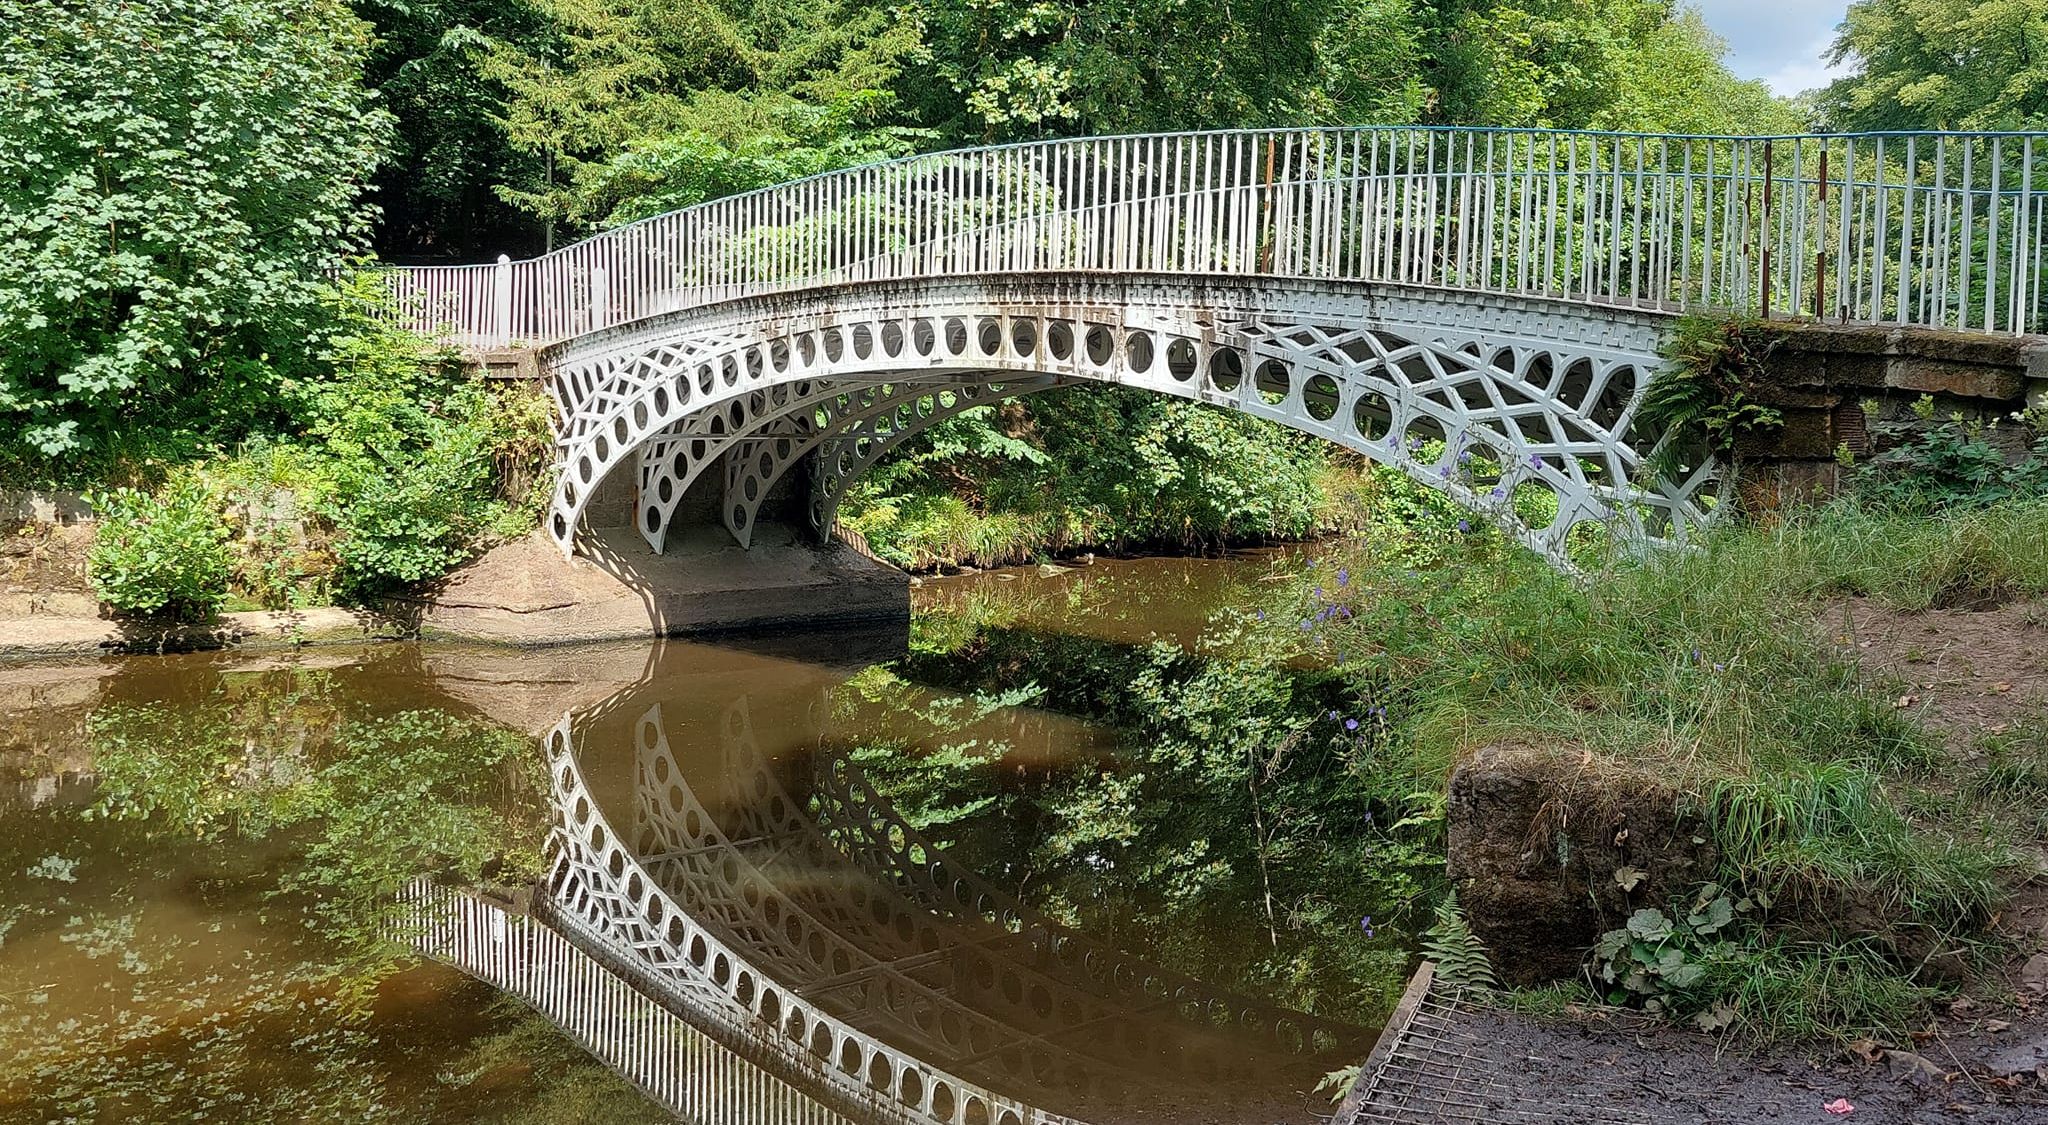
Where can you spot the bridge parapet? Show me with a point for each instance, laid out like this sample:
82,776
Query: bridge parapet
1927,229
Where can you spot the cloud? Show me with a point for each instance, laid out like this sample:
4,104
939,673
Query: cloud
1782,42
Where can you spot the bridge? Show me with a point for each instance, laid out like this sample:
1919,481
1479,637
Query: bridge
1480,309
754,940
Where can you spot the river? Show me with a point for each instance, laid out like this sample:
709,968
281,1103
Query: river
201,851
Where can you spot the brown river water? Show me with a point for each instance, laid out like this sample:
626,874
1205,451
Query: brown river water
196,850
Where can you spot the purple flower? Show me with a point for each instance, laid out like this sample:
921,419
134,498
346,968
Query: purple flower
1319,593
1351,724
1464,525
1535,462
1334,716
1260,615
1343,576
1720,667
1498,493
1444,472
1365,923
1305,625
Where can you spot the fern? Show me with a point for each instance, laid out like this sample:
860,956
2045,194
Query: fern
1461,958
1338,1083
1705,400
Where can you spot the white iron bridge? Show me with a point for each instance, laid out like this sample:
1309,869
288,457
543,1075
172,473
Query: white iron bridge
1481,309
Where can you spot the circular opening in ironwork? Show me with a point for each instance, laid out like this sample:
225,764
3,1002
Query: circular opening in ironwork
1272,382
1319,397
1138,351
1059,340
1226,369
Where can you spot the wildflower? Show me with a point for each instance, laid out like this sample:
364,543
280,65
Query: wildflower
1464,525
1351,724
1444,472
1259,616
1365,923
1498,493
1720,667
1306,625
1343,576
1535,462
1334,716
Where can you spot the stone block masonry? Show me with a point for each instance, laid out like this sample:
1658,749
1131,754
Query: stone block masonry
1824,378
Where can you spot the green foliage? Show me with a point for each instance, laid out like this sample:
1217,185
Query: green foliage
161,554
1778,989
789,141
633,106
435,190
1706,398
1941,64
1657,957
1016,69
174,175
1088,467
1461,958
1708,961
1602,64
409,462
1929,464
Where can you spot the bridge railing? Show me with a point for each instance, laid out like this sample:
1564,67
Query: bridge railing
1939,230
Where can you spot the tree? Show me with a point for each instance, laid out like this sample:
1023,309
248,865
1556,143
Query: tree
640,105
995,70
436,192
1941,64
175,175
1631,65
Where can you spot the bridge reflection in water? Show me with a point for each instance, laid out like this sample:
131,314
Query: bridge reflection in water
755,935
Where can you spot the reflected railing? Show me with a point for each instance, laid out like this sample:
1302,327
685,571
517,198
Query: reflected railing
772,933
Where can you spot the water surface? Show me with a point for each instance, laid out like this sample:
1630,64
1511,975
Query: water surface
200,849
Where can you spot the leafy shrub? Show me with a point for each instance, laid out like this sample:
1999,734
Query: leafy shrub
1930,465
174,174
1656,959
414,448
163,554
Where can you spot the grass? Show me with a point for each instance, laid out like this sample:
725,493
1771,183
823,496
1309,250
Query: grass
1794,991
1713,669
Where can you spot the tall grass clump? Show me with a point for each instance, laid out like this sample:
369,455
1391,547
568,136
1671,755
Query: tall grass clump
1958,558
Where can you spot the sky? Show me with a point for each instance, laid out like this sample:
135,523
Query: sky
1782,42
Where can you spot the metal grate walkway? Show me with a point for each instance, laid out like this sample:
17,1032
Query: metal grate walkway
1437,1062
